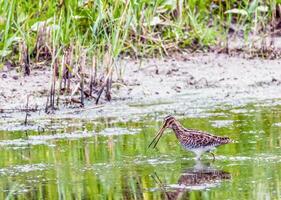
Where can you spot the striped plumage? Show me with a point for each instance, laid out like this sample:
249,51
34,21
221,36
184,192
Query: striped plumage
199,177
196,141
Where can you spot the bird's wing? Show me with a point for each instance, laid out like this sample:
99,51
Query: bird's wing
197,138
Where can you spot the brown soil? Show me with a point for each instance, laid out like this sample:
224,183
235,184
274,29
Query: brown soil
211,77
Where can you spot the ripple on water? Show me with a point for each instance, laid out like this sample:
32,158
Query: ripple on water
21,142
193,187
163,159
18,169
119,131
221,123
260,158
75,135
240,111
17,126
278,124
42,139
39,125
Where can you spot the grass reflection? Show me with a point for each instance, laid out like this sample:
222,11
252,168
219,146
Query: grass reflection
119,166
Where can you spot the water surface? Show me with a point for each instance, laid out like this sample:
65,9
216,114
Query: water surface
108,159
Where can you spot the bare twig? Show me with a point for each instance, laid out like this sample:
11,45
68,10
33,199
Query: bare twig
93,75
51,98
11,110
108,79
82,66
69,63
24,58
84,109
26,113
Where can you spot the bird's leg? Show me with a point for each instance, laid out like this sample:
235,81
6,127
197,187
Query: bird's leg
213,156
198,156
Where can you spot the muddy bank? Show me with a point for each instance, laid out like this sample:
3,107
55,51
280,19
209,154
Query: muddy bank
184,85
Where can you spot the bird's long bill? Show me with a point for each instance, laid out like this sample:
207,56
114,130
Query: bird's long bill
157,137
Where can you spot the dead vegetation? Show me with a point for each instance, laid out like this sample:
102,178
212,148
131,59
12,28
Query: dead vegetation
73,80
82,42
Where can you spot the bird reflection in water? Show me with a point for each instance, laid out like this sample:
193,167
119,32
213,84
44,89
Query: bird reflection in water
199,177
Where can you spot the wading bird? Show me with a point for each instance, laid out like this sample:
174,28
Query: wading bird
196,141
199,177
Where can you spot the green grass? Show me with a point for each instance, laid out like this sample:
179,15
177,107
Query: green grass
107,29
137,28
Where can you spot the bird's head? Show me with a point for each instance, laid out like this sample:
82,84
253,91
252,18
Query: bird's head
168,122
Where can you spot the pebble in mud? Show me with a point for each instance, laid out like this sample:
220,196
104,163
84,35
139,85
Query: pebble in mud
177,88
15,77
4,76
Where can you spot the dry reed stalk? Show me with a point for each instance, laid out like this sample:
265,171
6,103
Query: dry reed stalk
178,10
39,43
108,79
69,63
65,69
55,76
42,49
227,45
26,113
66,62
82,65
62,73
273,25
24,58
53,87
50,104
93,75
108,86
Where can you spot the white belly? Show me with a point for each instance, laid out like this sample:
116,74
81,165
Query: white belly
200,151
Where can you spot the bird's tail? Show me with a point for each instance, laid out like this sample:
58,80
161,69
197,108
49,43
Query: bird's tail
227,140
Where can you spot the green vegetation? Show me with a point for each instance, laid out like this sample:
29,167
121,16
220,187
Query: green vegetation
139,28
81,37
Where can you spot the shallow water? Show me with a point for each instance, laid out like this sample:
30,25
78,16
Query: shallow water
109,159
